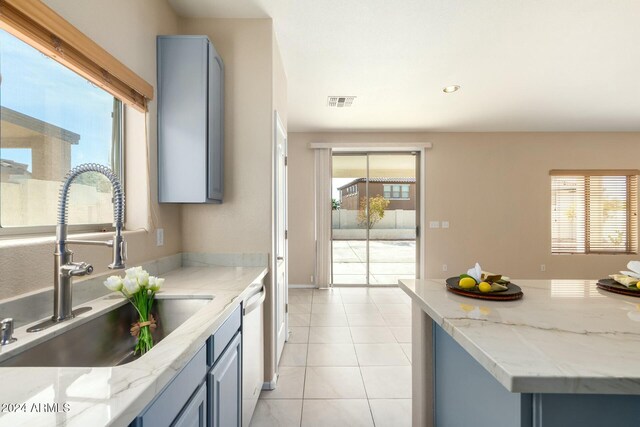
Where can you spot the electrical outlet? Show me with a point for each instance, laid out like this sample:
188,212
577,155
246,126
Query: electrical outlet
311,280
445,224
160,237
444,267
543,267
434,224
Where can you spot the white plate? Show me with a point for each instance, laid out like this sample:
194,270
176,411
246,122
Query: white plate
631,274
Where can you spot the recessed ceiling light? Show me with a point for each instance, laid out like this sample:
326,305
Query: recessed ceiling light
451,89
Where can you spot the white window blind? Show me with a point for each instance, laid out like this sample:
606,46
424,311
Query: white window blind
594,212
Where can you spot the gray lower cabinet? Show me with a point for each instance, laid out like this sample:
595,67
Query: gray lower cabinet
195,413
207,392
165,409
225,387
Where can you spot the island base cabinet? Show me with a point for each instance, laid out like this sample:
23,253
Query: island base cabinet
585,410
466,394
225,387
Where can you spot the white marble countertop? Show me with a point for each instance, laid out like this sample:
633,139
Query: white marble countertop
564,336
116,395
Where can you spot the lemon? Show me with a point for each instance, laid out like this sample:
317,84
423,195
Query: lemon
467,283
484,287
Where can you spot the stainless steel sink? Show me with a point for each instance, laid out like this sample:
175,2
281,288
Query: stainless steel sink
105,340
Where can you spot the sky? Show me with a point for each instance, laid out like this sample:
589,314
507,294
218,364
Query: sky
38,86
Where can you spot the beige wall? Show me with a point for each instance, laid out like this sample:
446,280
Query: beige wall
301,209
280,93
493,187
255,86
242,223
128,31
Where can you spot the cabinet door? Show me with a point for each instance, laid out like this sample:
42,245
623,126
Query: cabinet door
170,403
194,413
225,384
215,184
182,119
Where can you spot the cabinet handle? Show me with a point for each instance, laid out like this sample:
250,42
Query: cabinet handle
250,307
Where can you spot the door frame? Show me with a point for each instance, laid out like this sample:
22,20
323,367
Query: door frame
278,129
323,169
367,153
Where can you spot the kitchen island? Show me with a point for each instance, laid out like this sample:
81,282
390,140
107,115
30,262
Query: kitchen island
567,354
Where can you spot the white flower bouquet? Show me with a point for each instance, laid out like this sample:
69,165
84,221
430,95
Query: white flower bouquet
140,289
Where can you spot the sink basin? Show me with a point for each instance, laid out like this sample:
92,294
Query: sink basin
105,340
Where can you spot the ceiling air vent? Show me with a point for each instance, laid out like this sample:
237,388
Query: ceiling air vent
340,101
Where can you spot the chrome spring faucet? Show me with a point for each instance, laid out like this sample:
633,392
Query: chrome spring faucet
64,266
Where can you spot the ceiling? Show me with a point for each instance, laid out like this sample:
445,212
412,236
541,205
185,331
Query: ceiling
523,65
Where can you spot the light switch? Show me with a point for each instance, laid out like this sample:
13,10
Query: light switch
160,237
445,224
434,224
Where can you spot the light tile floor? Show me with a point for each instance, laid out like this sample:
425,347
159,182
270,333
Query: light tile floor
347,361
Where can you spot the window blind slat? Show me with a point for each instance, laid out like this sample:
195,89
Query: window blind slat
594,213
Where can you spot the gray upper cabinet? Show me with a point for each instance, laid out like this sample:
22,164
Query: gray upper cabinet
190,120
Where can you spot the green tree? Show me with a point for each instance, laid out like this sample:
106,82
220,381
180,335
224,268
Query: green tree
335,204
94,179
377,206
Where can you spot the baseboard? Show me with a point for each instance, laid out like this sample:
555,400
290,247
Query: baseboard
270,385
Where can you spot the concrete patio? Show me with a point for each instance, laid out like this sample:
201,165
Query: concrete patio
390,260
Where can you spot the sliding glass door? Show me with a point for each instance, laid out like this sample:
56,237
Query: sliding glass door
374,218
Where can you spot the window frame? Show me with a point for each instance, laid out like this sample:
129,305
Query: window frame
42,28
632,211
39,26
31,231
389,189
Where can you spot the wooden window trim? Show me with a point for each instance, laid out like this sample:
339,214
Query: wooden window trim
39,26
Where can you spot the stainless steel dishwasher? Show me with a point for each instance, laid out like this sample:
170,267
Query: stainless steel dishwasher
252,353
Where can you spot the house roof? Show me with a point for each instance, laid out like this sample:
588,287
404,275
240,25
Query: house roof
13,168
380,180
38,126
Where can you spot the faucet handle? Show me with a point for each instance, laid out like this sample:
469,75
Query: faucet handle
123,250
7,332
119,254
78,269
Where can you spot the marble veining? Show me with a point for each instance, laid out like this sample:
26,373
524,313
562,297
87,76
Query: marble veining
564,336
116,395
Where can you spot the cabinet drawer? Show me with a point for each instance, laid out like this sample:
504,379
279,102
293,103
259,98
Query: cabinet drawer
166,407
223,336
